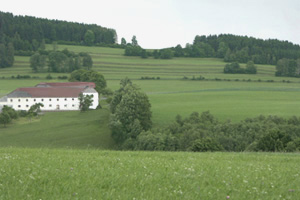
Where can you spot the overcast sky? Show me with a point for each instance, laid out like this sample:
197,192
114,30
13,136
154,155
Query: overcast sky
166,23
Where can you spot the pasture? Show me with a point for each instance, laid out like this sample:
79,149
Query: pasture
227,96
67,155
72,129
92,174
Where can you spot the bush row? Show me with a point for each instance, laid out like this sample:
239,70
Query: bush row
150,78
34,77
203,132
201,78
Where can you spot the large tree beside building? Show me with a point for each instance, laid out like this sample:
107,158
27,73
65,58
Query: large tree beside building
89,76
131,112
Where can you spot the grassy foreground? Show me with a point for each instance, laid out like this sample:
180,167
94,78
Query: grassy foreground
93,174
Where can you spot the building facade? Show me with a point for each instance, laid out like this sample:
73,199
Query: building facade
54,96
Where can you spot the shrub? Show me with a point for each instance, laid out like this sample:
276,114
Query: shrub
49,76
206,144
62,77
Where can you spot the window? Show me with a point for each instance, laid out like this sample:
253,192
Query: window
66,105
57,99
27,106
65,99
11,100
73,105
34,99
49,99
19,106
72,99
27,100
42,99
50,105
19,100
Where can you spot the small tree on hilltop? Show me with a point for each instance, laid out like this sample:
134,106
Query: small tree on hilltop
85,101
134,41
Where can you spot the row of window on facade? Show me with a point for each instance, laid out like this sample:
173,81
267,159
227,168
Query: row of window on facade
19,100
50,105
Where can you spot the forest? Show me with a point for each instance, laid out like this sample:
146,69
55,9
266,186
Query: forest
26,33
231,48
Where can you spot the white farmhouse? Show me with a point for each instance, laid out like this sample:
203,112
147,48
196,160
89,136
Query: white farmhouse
54,96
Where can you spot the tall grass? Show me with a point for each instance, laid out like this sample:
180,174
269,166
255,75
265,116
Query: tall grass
91,174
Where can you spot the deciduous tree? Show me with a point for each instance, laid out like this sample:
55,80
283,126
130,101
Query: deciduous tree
85,101
130,112
5,118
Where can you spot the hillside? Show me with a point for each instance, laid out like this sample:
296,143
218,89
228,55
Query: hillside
227,96
60,130
27,33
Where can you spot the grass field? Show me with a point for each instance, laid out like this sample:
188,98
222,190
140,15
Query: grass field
67,155
60,129
93,174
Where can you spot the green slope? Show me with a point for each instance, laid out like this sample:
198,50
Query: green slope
171,95
60,129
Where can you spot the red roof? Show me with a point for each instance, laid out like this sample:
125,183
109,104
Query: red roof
51,91
69,84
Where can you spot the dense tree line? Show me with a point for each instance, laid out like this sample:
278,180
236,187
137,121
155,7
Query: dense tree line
240,49
231,48
59,61
205,133
27,33
288,67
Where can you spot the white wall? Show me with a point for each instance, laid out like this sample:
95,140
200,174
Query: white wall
49,103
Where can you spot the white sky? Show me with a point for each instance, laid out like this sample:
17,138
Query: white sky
166,23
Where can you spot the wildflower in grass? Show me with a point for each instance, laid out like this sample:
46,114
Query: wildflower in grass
228,197
71,168
291,190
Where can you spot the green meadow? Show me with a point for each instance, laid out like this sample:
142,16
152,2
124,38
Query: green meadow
60,130
227,96
169,96
92,174
69,155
